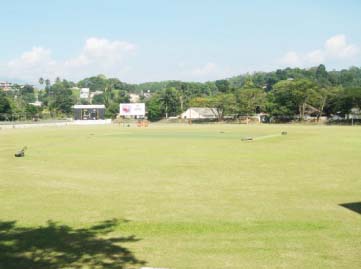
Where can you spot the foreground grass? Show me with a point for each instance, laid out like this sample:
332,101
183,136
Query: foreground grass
194,196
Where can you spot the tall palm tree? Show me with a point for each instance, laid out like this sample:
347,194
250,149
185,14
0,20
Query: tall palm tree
47,82
108,93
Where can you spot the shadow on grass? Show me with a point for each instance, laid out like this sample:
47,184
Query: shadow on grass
60,246
356,207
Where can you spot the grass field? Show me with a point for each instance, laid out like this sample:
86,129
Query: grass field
181,197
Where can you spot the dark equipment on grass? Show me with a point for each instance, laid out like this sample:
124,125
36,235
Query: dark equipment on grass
284,133
21,153
247,138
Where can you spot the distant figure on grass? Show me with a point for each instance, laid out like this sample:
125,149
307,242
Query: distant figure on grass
21,153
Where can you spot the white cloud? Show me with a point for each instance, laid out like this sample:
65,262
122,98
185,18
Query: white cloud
291,58
37,55
98,56
102,51
205,70
30,64
338,47
315,57
335,48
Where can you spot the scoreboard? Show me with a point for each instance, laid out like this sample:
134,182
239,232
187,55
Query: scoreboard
89,112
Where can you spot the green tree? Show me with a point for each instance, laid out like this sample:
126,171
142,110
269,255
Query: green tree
31,111
223,85
169,101
112,99
98,99
27,93
112,110
41,81
108,93
154,109
62,99
250,101
200,102
348,99
121,96
97,83
324,98
47,83
5,107
290,97
322,75
224,103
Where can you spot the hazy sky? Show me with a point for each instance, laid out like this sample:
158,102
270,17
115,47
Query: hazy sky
139,41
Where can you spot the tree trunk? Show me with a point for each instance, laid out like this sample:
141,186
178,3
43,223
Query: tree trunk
181,102
322,107
220,114
302,111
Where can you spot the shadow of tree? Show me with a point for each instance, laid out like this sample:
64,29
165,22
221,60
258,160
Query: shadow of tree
356,207
60,246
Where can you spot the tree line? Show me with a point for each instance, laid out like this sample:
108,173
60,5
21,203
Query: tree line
285,94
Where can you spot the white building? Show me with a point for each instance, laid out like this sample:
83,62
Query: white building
37,103
147,94
5,86
355,114
134,98
92,94
84,93
200,113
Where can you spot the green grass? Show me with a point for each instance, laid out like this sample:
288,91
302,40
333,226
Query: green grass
195,196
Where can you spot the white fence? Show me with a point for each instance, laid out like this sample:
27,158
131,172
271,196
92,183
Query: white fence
55,124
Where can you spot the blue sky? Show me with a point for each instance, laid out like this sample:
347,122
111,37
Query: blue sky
139,41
